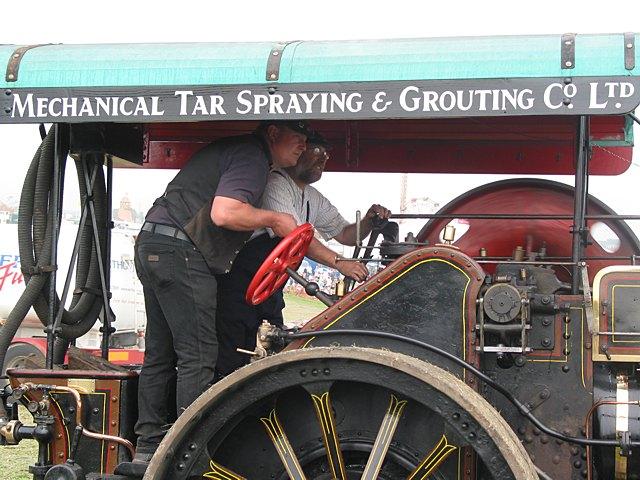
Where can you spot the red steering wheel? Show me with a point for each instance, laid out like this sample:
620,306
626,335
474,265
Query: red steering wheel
272,274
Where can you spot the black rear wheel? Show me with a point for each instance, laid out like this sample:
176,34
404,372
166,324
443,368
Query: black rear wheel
340,413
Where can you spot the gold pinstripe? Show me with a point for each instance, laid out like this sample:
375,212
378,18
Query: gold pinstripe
381,445
218,472
283,447
324,412
432,461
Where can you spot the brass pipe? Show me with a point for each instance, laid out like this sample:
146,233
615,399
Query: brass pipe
87,433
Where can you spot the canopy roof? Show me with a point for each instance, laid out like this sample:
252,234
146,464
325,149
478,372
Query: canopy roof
112,65
339,80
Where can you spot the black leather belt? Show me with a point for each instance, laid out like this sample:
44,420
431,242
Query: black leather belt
165,230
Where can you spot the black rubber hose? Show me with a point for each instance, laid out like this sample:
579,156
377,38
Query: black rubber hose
35,226
37,283
522,408
33,221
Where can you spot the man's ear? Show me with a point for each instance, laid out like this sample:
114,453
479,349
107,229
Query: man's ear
273,132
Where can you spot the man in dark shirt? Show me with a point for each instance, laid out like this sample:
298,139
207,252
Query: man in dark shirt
193,232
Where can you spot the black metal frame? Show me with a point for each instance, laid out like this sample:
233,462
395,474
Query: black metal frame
56,309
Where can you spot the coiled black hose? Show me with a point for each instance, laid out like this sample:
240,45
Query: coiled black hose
35,226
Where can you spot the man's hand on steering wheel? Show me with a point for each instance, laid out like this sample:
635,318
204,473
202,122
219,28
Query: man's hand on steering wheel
284,224
354,270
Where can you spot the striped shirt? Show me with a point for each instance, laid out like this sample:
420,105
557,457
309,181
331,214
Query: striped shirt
309,205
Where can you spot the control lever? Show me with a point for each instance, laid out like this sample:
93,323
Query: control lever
311,288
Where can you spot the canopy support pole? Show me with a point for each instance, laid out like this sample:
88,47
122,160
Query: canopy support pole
55,209
579,229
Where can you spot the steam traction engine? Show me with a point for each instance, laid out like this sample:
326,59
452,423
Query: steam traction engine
364,404
442,365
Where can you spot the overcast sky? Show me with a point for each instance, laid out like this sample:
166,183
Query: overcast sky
122,22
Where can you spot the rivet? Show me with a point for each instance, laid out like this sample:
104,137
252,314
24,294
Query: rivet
566,101
577,464
180,466
60,455
114,399
456,416
59,436
465,425
7,92
315,372
186,456
95,411
303,373
113,423
272,76
326,371
556,459
568,42
565,368
544,439
568,63
11,76
192,446
568,80
112,447
275,54
629,45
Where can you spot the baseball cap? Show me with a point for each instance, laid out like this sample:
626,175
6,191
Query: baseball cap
299,126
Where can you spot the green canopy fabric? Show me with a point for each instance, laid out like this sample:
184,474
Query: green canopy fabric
115,65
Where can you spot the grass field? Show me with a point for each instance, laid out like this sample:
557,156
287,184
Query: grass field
15,460
300,309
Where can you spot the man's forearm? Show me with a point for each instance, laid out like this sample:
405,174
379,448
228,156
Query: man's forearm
348,234
239,216
318,252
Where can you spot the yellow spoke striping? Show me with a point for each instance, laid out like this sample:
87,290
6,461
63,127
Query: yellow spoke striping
432,461
383,440
283,447
327,421
218,472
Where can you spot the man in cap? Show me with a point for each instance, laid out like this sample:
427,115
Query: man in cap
192,233
288,190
